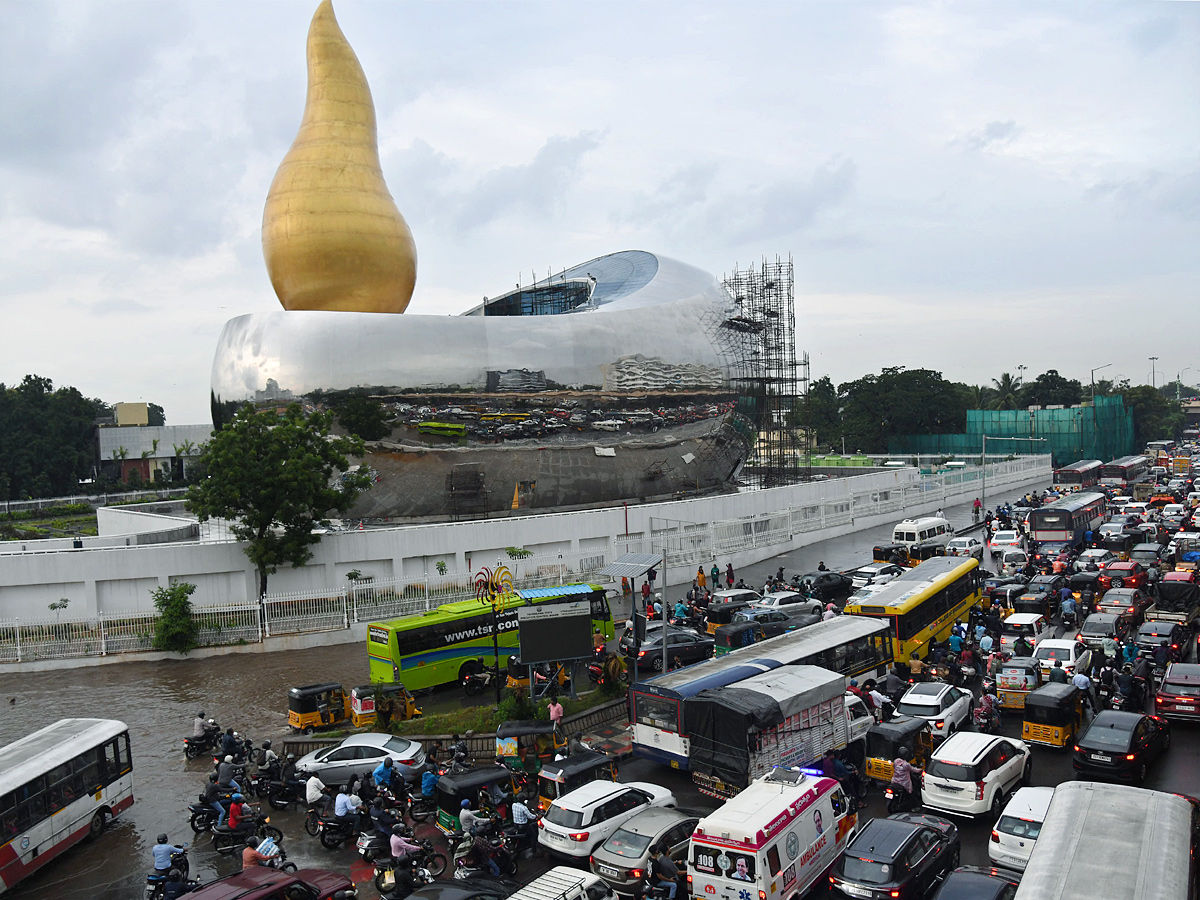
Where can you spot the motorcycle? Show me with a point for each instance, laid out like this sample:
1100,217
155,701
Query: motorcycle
155,880
334,832
986,721
228,840
466,866
900,800
479,681
422,808
1067,624
203,817
521,840
428,861
195,747
396,883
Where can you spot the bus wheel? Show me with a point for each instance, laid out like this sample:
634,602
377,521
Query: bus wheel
99,820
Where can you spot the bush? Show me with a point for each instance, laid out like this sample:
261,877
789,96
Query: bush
175,629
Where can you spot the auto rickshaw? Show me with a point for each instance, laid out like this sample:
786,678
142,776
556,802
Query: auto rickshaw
922,552
718,616
1032,603
515,740
885,739
562,777
891,553
316,706
1121,544
1053,715
454,788
736,635
1085,581
365,699
1017,678
518,674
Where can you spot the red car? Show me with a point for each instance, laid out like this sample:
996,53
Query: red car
259,883
1125,573
1186,577
1178,696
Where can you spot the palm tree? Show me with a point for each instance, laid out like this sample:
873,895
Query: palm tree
1007,390
978,396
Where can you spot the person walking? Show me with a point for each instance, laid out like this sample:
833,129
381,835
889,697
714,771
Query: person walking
729,575
716,575
556,712
701,578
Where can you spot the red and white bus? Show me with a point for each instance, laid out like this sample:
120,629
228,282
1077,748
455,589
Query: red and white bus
58,786
1125,472
1078,475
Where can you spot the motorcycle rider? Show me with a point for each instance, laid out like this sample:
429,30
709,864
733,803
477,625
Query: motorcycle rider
1058,674
401,844
666,873
251,856
469,820
347,808
1128,687
902,773
524,820
176,885
287,774
458,750
225,772
212,797
989,707
199,725
270,759
429,779
314,790
1084,685
1162,655
162,852
1067,606
832,767
238,811
385,775
230,745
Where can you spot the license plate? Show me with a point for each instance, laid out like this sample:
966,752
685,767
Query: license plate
946,787
1182,708
607,870
1101,757
855,891
553,834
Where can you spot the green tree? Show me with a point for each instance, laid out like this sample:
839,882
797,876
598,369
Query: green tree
175,629
155,415
898,402
364,416
1052,389
822,415
273,478
1005,394
976,396
1155,417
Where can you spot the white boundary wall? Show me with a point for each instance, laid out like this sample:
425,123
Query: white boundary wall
741,528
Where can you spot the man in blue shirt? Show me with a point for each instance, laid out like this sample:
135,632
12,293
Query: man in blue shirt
955,642
162,854
384,774
985,643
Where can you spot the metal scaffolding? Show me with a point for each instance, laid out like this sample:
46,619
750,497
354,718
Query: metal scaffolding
764,372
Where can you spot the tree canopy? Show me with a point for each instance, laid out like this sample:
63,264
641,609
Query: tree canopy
899,401
46,438
273,478
364,416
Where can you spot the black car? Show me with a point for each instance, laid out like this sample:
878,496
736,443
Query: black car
684,647
826,586
1098,626
466,889
1046,584
773,621
902,856
974,883
1120,745
1151,634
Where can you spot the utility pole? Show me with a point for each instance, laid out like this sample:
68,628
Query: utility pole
1153,372
1179,383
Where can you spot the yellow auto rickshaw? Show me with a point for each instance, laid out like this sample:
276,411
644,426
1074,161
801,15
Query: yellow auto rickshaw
718,615
393,699
562,777
1053,715
316,706
1017,679
517,741
518,674
885,739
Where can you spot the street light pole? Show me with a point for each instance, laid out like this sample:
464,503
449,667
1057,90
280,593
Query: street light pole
1179,382
1153,372
1021,375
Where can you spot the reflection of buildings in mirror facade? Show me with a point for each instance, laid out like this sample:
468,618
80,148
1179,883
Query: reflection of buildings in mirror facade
608,381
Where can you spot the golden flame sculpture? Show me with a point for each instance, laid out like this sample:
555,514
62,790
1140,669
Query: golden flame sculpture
332,236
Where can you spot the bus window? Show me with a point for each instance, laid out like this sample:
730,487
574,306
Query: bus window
657,712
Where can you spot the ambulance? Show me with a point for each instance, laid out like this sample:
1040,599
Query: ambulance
773,841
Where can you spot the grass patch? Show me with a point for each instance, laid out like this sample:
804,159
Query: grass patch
486,719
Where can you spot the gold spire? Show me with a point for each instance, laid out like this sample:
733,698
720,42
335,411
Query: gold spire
332,236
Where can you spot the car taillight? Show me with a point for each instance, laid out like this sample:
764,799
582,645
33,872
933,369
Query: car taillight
762,895
1076,748
542,824
939,724
641,653
407,762
689,878
1130,757
979,790
578,836
636,873
995,836
892,894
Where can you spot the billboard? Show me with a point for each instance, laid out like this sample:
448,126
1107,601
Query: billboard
555,631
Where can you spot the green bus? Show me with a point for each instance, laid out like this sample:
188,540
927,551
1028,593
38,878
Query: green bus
444,644
446,429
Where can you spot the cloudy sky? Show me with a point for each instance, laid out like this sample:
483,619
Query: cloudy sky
964,187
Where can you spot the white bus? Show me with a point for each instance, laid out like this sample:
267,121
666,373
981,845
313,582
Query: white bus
58,786
1111,840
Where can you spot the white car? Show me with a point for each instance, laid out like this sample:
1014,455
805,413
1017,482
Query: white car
360,754
1062,650
1013,561
973,774
1097,556
875,573
1006,540
1017,830
791,602
580,821
945,707
1030,625
965,546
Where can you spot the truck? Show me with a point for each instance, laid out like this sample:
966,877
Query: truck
1181,465
785,717
1177,599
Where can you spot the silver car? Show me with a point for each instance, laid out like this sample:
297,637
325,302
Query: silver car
624,859
360,754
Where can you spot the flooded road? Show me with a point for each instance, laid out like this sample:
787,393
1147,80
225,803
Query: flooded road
248,692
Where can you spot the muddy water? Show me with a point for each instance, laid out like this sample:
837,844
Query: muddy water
158,702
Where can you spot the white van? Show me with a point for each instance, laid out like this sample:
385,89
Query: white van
927,530
774,839
565,883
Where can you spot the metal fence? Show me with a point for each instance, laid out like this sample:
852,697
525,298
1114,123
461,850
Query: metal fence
121,632
91,499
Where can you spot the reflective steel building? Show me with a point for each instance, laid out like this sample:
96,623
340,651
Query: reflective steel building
608,381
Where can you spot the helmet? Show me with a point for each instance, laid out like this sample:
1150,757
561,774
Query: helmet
291,757
200,715
238,797
251,842
212,776
174,875
466,804
853,682
398,830
903,752
228,759
387,763
162,838
237,734
266,745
